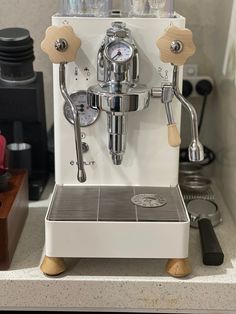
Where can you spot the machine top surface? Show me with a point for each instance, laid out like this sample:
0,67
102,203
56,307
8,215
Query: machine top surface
112,203
118,17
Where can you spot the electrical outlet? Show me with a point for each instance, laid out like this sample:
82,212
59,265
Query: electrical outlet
191,75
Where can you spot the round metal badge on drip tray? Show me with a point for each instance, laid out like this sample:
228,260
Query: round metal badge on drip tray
149,200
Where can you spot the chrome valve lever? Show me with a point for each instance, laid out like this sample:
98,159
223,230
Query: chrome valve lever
173,133
176,46
167,97
61,44
81,176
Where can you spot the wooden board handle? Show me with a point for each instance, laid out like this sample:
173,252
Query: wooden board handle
173,135
61,44
176,46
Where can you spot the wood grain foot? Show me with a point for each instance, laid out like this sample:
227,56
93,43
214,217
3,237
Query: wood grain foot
53,266
178,267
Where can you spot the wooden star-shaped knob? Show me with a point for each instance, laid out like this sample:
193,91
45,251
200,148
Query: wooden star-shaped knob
176,45
61,44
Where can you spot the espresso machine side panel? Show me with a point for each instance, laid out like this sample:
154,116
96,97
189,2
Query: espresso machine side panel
149,160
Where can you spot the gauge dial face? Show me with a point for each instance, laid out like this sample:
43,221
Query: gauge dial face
87,114
119,52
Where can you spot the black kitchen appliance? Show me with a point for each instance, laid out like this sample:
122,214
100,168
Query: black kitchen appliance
22,100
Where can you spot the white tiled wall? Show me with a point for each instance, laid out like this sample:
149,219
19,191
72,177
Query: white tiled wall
209,20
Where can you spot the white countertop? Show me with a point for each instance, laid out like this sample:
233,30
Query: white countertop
119,285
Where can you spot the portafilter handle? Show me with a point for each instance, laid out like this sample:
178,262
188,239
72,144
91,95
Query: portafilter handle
176,46
61,44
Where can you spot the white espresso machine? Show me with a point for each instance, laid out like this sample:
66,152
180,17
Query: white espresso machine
117,110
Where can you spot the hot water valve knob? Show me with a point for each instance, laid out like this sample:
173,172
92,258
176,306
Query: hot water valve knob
175,46
61,44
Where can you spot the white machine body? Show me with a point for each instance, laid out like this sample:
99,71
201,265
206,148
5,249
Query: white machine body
148,161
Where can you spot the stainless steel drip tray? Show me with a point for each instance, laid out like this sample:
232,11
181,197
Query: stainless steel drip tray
117,203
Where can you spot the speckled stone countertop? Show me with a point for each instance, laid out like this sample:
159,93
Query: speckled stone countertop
119,285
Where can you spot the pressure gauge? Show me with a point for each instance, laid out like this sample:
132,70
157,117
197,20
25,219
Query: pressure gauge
88,115
119,51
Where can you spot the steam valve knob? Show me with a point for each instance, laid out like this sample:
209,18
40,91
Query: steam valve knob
176,46
61,44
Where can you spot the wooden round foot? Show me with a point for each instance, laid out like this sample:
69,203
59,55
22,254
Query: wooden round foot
53,266
178,267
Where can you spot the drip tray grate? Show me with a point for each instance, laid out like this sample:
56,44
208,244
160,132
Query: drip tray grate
103,203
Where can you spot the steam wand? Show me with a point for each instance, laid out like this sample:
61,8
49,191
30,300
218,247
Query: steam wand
196,151
77,130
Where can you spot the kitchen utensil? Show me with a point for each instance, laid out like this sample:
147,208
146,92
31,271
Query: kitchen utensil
85,7
194,195
138,7
69,7
170,12
157,4
163,8
19,156
197,183
16,56
189,168
205,215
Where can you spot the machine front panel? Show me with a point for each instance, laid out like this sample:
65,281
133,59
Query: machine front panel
148,160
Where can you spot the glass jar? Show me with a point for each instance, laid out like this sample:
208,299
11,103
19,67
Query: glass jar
138,7
69,7
118,8
85,8
169,8
94,8
152,8
162,8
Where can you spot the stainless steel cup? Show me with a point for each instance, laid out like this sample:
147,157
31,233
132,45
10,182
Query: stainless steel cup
19,156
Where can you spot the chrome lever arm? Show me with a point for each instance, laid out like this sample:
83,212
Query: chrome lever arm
167,98
77,129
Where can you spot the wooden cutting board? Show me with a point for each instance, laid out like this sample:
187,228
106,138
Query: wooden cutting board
13,213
